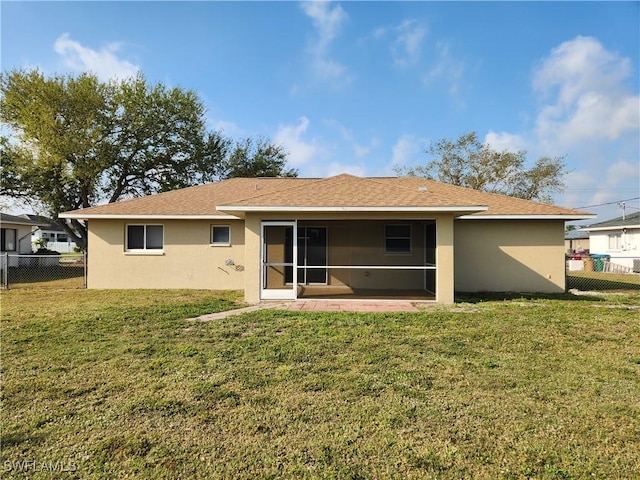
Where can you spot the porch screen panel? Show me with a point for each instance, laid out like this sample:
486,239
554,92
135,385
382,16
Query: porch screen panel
378,258
276,255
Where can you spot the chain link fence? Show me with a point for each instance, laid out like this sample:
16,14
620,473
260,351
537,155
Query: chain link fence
603,272
43,271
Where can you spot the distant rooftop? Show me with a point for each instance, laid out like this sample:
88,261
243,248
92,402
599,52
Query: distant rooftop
631,219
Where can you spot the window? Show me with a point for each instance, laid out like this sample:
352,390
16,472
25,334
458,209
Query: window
9,239
145,237
61,237
397,239
615,241
221,235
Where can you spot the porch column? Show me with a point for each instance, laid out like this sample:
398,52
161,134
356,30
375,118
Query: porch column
252,225
444,261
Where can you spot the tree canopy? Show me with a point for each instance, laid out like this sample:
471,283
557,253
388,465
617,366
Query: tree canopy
73,142
255,158
470,163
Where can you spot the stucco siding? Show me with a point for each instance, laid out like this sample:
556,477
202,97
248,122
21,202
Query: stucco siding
509,256
188,260
628,245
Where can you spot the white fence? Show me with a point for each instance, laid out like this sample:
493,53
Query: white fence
62,247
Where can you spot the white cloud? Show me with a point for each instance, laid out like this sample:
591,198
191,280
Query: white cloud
327,21
447,69
406,47
505,141
300,150
409,149
587,97
590,114
228,128
360,150
104,63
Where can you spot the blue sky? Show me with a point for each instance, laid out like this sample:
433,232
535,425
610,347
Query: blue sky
361,86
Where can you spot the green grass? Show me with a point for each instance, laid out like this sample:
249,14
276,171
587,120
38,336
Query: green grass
120,385
65,275
602,281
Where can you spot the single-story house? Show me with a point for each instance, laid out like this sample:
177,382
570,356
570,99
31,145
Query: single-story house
342,236
57,239
618,238
576,241
15,236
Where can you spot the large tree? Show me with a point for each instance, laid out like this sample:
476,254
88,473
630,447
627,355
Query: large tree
255,158
72,141
470,163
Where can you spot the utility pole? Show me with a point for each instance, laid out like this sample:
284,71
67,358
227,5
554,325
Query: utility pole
623,206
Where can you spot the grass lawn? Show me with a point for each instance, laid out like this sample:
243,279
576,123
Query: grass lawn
114,384
603,281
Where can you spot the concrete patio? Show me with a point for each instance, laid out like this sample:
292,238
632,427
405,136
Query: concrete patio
320,306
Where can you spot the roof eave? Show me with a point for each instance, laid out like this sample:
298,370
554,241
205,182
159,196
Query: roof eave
610,227
565,217
115,216
345,209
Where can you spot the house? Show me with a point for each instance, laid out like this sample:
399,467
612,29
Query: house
619,239
342,236
57,239
576,241
16,236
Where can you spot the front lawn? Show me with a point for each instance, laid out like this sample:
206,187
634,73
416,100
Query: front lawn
100,384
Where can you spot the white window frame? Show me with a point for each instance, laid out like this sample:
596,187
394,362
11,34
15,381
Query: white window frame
617,241
410,251
220,244
144,250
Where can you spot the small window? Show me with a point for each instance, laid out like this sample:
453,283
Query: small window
9,239
221,235
397,239
615,241
61,237
145,237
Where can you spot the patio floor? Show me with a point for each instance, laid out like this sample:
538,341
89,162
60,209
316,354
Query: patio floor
333,305
342,292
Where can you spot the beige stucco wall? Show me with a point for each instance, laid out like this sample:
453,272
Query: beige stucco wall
489,255
366,228
509,256
187,261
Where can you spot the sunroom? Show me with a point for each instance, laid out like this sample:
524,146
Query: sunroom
382,259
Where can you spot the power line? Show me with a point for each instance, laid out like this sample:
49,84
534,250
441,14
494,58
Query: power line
610,203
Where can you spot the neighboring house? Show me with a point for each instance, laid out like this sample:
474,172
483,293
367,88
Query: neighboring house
619,238
576,241
15,236
342,236
57,238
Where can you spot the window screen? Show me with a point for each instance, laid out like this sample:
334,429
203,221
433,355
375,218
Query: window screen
220,235
397,239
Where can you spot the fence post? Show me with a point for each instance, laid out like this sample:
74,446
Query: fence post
84,258
5,271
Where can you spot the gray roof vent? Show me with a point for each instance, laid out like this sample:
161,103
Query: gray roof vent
422,188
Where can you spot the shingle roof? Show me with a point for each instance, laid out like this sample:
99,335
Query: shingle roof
632,219
44,222
333,192
350,191
6,218
576,235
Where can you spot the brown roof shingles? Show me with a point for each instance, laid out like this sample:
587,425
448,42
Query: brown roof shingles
338,191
